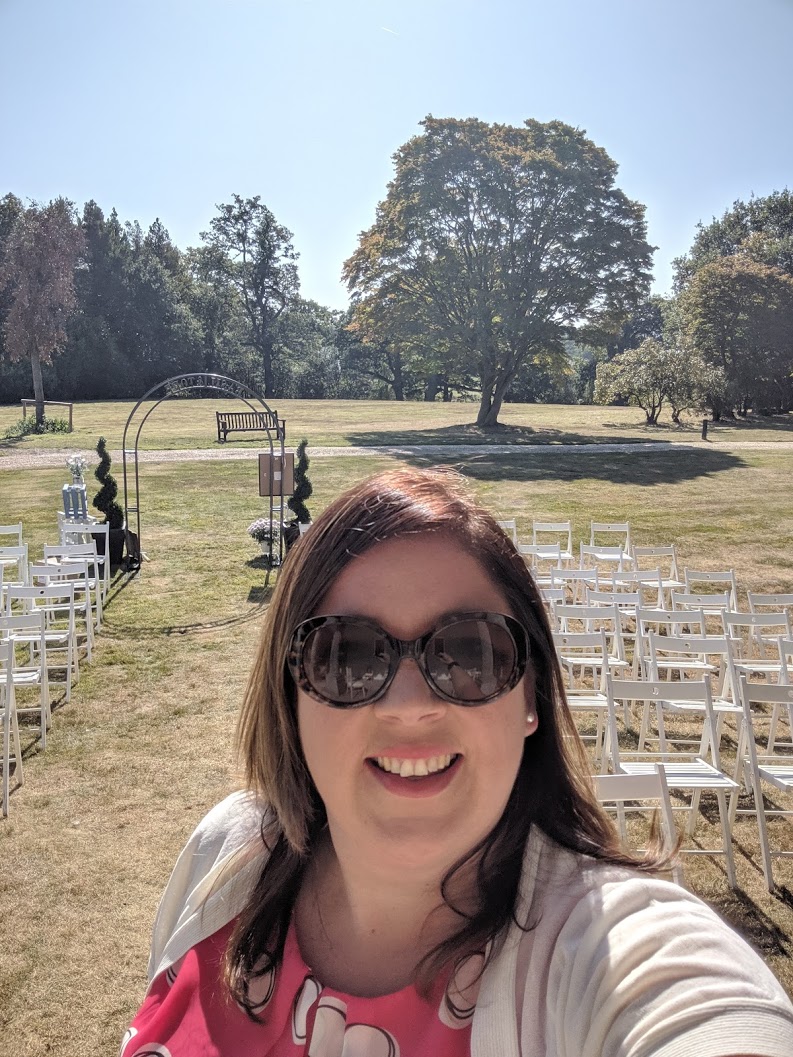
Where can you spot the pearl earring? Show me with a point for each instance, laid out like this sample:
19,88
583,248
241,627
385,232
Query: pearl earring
531,719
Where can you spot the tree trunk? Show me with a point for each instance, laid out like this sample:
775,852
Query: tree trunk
396,366
431,388
267,364
447,390
38,386
492,399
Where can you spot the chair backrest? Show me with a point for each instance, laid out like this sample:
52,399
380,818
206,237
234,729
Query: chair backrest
53,598
562,530
594,618
692,578
548,555
611,529
578,648
690,600
15,557
764,629
590,556
14,532
648,581
577,580
626,601
509,526
693,691
681,622
27,624
654,553
619,788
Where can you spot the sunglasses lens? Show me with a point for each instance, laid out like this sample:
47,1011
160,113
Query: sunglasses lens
346,663
472,660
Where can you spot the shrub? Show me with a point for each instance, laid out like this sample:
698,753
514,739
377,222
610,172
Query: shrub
25,426
303,488
105,498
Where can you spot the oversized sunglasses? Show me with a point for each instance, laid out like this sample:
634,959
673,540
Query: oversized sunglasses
468,658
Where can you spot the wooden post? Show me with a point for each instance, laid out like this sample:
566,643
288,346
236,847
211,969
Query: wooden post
704,429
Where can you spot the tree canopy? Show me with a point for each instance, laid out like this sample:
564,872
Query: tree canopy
738,315
253,253
40,253
761,229
495,243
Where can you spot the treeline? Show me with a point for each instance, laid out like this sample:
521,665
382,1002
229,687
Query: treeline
503,264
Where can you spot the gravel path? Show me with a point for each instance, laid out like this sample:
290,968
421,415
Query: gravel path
55,457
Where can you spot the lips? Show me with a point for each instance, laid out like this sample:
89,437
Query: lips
404,778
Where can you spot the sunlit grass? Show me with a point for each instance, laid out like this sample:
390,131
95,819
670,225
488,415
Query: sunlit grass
185,424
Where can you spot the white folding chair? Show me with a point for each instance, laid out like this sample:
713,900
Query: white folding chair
606,560
11,535
622,789
709,605
14,563
669,623
724,580
754,638
56,602
647,581
664,559
692,774
541,559
509,526
91,532
760,602
773,769
76,553
575,582
693,657
77,574
578,651
26,634
611,529
8,715
561,533
589,618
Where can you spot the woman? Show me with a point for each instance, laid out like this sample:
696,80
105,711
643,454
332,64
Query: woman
418,865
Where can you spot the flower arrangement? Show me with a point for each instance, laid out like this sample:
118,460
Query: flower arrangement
262,530
76,466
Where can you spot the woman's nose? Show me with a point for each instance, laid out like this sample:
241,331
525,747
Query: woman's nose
409,698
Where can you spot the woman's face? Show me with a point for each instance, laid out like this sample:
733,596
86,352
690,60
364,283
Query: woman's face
406,585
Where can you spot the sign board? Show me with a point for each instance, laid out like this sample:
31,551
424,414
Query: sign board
276,476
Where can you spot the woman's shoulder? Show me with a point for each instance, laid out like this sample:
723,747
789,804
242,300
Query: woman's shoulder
608,952
231,824
212,878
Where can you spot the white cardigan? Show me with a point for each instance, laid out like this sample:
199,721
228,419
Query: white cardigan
616,965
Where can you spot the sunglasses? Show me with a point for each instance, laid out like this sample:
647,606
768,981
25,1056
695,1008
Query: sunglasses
468,658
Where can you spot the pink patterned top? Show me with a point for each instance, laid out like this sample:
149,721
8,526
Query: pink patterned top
187,1013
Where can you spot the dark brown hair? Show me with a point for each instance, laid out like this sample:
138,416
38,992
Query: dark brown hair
552,789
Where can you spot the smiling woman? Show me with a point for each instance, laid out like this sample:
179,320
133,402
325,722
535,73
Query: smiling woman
417,864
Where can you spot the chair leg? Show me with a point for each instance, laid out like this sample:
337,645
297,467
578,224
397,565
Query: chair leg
726,836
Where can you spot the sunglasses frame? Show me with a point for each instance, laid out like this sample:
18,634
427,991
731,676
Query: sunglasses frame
401,648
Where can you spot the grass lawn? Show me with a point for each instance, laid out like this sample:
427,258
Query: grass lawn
182,423
144,747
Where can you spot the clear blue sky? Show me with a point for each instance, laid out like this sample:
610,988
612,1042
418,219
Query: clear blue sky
168,107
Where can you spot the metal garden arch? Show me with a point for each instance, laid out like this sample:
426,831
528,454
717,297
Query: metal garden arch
177,386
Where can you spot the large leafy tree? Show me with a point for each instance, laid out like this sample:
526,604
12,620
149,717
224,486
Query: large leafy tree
654,375
500,242
253,253
738,314
40,256
761,229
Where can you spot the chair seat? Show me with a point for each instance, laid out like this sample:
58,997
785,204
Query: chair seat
690,774
780,775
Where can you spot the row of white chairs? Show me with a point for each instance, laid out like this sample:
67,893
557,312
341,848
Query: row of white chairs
50,613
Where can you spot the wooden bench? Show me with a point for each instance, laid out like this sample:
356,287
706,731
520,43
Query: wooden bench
246,422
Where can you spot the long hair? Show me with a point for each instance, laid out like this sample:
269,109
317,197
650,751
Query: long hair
552,789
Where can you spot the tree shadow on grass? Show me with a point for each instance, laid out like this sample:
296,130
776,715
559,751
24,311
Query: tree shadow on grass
754,924
469,433
644,467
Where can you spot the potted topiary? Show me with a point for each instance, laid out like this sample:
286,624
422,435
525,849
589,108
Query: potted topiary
297,501
105,502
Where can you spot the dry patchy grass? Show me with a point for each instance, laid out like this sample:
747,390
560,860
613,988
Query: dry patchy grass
144,747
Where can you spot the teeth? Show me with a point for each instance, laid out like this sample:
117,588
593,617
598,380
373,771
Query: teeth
414,768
